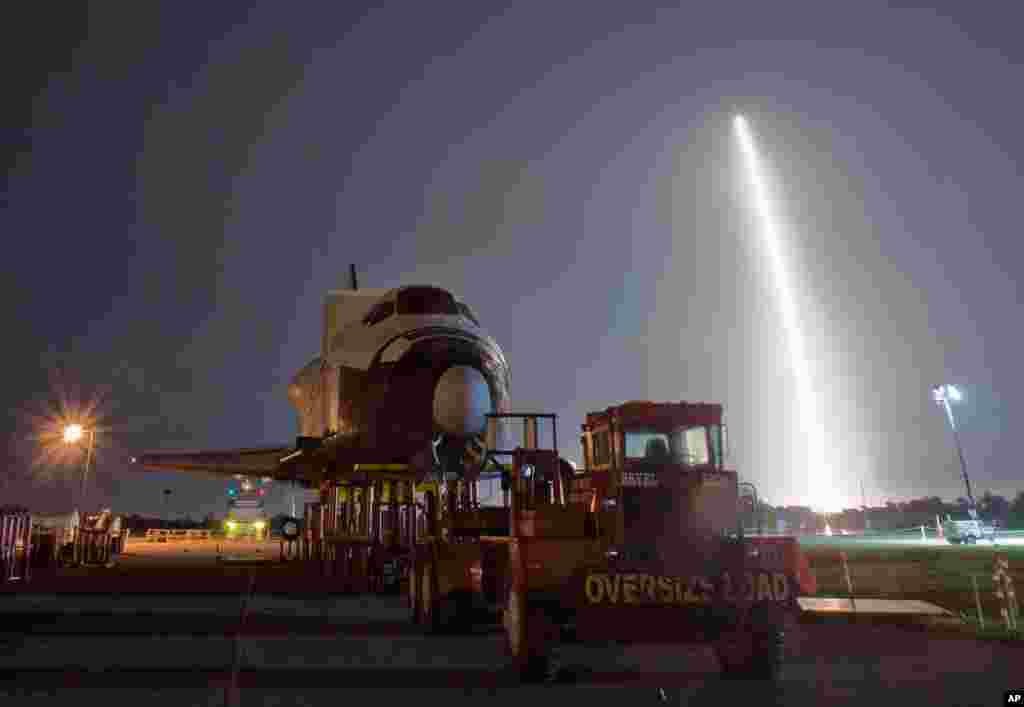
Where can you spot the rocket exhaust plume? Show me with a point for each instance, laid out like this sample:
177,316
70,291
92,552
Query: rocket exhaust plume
820,482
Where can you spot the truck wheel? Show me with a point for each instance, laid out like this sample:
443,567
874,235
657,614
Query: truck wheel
543,662
755,655
66,556
537,669
444,614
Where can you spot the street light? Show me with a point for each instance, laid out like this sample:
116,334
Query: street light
943,394
72,435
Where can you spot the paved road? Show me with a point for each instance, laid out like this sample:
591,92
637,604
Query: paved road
157,650
139,553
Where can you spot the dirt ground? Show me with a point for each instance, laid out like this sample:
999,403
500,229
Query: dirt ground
937,573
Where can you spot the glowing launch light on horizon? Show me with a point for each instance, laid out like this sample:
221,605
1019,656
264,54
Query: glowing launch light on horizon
820,483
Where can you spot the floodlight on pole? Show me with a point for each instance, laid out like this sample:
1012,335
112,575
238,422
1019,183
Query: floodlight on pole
72,435
942,395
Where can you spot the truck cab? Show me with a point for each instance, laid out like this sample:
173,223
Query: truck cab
659,472
644,545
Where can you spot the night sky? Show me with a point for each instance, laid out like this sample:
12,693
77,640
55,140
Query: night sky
183,184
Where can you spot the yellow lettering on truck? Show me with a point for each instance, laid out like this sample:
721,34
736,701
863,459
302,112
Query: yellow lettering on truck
666,590
633,589
629,588
781,586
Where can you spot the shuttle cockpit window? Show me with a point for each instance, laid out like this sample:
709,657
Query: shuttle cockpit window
468,313
379,313
426,300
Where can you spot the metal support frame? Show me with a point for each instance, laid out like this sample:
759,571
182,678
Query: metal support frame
756,507
963,460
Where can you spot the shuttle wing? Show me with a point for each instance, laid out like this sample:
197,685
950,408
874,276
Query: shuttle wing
262,461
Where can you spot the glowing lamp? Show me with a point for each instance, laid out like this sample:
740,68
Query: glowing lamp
73,433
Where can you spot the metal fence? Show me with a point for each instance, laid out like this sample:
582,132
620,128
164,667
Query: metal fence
15,547
29,542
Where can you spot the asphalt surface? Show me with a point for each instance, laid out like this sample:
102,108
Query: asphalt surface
178,649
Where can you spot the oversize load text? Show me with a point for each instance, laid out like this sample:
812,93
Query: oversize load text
604,588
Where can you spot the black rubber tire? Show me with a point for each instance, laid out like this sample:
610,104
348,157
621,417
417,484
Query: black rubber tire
546,666
544,669
66,555
445,615
761,659
450,614
535,670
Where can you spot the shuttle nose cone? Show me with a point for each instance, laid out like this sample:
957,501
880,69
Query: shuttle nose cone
462,401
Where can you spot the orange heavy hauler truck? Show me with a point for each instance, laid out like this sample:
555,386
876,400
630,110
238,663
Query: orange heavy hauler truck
644,545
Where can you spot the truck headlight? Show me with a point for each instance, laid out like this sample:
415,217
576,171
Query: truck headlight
259,525
231,524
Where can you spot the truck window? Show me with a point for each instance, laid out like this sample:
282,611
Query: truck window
696,446
693,446
647,444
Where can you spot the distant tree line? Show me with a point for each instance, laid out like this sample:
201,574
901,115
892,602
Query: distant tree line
992,508
140,524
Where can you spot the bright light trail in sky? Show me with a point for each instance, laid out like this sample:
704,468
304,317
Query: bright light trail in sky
821,491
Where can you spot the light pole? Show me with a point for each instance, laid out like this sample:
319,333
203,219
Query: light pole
72,435
943,394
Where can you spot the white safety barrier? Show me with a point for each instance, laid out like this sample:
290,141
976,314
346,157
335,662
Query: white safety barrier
165,535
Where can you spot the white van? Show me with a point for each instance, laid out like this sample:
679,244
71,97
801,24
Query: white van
966,530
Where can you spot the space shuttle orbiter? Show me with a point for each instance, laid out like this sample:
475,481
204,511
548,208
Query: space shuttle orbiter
405,373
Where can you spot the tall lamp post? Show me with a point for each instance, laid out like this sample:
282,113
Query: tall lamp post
943,394
72,435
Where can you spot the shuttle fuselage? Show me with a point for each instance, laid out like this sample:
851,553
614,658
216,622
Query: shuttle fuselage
399,369
401,373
